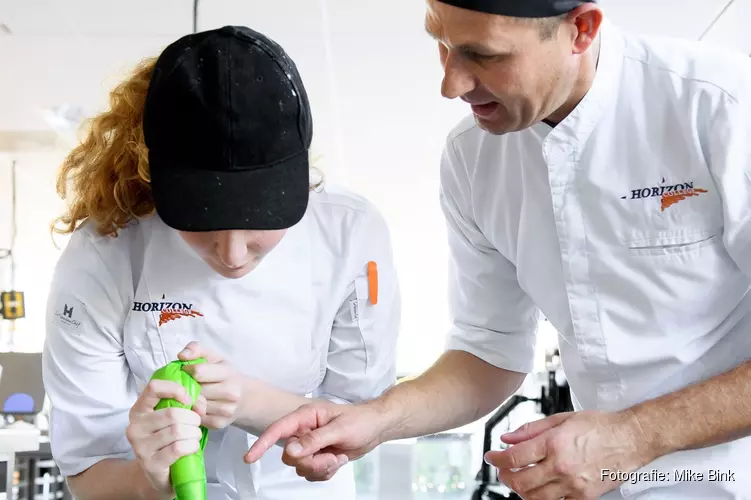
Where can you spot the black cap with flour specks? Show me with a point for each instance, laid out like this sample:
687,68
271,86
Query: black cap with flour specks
228,126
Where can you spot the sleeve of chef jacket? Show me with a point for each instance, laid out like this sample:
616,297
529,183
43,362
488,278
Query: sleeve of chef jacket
729,161
492,318
361,362
85,372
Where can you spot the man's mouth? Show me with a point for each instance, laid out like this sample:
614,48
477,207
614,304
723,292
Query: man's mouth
484,110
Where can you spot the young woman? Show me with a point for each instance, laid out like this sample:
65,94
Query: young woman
196,231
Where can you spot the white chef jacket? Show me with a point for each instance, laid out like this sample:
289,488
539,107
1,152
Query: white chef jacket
628,227
302,321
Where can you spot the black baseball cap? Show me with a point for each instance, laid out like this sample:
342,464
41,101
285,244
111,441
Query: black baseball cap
520,8
228,126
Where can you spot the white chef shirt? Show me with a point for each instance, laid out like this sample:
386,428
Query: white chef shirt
627,226
302,321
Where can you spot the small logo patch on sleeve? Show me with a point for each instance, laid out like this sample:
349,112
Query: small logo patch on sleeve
69,313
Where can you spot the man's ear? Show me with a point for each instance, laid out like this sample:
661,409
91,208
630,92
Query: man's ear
586,20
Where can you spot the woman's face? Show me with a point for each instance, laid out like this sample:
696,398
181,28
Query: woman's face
233,254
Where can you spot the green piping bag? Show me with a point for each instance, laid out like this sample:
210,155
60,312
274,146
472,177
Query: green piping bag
188,473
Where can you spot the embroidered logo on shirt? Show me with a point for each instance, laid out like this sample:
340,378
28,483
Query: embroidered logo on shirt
169,315
669,194
168,311
354,310
69,312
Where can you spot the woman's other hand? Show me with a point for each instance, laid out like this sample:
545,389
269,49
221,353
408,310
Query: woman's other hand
221,386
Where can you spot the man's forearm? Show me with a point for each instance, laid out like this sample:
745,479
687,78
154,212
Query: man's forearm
113,480
712,412
457,390
263,405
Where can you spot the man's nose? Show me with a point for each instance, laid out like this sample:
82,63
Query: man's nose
457,81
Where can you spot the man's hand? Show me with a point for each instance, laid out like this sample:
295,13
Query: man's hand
221,386
321,438
563,456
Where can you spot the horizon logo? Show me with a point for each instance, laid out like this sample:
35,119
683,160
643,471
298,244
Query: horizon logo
159,306
669,194
168,311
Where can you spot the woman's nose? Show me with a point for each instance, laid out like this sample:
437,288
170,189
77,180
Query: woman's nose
232,249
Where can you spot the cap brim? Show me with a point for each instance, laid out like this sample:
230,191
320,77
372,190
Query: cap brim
202,200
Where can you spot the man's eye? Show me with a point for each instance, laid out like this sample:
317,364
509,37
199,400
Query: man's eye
474,56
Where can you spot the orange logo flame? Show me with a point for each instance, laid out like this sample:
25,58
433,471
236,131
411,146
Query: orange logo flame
676,196
168,315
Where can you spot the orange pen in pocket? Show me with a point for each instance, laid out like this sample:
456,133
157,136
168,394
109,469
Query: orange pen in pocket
373,282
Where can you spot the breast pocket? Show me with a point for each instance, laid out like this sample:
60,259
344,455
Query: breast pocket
677,244
143,363
666,285
674,267
143,347
364,310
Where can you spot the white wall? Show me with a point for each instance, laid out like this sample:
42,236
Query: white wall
35,253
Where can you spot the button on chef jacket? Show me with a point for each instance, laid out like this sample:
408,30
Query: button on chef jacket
302,321
628,226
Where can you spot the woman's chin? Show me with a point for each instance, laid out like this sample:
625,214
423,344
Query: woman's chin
234,272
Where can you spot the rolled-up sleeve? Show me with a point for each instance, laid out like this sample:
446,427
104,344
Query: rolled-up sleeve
85,372
361,360
492,317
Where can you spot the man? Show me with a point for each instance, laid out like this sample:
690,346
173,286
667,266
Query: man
604,180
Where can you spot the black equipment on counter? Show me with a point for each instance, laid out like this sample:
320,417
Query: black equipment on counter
554,398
